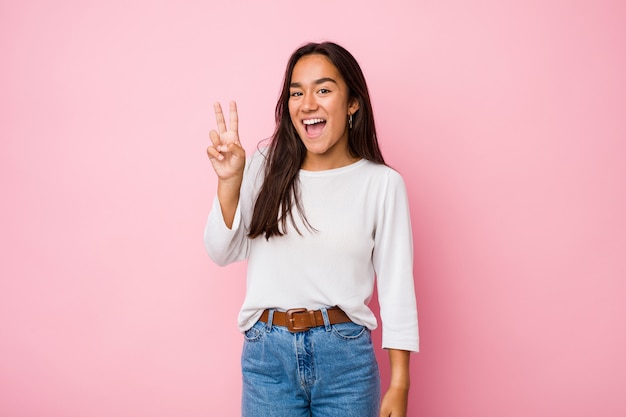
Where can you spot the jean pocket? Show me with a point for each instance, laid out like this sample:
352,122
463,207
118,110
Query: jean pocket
349,331
254,333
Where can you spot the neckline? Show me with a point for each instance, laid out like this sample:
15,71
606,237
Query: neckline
334,171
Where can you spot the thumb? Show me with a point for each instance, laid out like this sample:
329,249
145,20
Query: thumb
234,148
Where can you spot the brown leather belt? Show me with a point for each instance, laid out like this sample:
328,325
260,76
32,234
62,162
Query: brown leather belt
301,319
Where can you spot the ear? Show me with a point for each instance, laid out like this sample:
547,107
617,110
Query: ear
353,105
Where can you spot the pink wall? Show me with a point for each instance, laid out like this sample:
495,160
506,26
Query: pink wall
507,120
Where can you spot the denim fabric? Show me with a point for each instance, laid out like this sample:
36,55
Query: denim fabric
327,371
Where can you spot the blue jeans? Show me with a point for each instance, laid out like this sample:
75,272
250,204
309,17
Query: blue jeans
327,371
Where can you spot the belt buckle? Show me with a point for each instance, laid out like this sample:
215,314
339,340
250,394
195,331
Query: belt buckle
291,325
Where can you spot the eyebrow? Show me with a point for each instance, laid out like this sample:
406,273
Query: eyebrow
316,82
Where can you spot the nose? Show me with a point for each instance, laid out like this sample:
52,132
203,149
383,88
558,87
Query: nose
308,102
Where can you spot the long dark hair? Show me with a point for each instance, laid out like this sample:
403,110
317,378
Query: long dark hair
286,152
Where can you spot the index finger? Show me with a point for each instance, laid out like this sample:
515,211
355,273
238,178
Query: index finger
234,119
219,117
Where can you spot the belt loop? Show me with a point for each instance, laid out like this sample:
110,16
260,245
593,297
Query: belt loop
270,320
327,324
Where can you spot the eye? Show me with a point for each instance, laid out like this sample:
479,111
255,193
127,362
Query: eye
295,94
324,91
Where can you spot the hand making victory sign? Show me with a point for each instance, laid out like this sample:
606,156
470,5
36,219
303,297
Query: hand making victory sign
228,159
226,154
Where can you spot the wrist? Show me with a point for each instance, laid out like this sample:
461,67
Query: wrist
233,182
228,189
400,382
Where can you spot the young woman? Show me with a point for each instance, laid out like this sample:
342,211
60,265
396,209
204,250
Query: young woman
320,218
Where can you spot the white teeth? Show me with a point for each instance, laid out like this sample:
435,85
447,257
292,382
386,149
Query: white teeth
313,121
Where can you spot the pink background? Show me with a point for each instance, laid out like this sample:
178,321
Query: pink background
506,118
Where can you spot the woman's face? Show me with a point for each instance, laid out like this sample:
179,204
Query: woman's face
319,105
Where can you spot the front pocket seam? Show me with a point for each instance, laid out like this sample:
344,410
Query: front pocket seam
352,337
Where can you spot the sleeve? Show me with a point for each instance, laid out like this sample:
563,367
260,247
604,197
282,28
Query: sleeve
393,263
225,245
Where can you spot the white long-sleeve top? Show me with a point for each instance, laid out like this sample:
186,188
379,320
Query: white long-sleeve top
362,235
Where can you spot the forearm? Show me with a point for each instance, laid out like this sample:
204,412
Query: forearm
228,195
395,401
399,364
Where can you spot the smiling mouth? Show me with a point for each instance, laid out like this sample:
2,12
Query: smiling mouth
314,127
